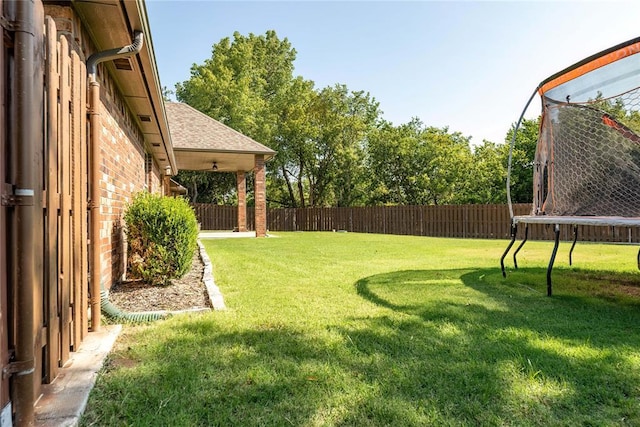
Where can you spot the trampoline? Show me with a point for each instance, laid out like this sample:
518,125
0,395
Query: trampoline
587,161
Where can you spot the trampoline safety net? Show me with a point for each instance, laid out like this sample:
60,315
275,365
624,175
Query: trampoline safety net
587,159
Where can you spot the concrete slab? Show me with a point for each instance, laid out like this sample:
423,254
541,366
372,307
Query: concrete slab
226,234
64,400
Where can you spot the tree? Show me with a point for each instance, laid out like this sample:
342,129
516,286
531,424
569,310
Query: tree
487,175
293,139
390,162
523,157
241,82
320,135
344,119
209,187
414,164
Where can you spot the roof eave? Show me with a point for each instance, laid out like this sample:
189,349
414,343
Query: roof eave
147,101
137,11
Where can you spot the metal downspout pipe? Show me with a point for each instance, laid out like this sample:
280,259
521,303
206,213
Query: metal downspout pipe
25,142
96,161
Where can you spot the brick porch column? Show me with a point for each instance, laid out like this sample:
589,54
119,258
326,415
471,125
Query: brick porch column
167,185
260,197
166,181
241,178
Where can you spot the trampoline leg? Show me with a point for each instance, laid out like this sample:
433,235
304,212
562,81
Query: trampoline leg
638,259
514,231
573,245
553,258
526,235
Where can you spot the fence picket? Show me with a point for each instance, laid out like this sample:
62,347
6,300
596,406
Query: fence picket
52,80
65,206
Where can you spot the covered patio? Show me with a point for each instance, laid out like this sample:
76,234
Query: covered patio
201,143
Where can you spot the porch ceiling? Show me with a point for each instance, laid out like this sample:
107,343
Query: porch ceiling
199,141
202,160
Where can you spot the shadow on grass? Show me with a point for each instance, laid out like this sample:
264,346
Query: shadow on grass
200,375
503,346
437,347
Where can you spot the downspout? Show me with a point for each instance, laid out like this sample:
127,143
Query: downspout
22,366
96,161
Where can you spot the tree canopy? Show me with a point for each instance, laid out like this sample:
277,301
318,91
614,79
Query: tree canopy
333,146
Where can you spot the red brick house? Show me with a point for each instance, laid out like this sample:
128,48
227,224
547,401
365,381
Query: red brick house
83,126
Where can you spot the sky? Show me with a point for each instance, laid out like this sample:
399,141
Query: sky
470,66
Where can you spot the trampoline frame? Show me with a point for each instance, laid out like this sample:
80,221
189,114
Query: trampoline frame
556,221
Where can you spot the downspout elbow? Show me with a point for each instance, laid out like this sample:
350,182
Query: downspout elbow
119,52
94,125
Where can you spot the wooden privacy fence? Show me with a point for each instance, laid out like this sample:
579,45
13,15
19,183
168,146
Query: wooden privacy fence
64,293
217,217
462,221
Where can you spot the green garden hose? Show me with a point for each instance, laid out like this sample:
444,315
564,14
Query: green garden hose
117,315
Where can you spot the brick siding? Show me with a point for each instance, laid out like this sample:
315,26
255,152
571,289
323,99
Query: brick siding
123,173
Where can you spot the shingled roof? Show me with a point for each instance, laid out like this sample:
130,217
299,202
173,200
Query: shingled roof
198,140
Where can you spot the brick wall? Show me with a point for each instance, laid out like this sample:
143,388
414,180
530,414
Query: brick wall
123,173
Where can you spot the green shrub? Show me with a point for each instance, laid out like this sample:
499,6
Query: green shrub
162,235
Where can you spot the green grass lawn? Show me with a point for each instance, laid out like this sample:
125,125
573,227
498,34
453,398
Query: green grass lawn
328,329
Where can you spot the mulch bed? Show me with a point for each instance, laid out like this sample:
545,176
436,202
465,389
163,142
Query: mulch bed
188,292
